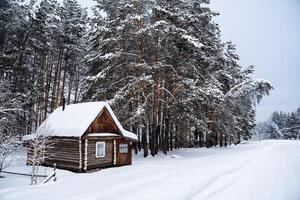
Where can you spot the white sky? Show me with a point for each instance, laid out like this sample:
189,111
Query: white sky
267,35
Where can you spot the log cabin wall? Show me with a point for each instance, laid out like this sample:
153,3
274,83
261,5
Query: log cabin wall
104,123
90,159
64,151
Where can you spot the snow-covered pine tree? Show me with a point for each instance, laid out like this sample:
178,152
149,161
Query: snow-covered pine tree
74,24
58,46
165,70
283,125
195,52
36,50
14,74
43,43
119,68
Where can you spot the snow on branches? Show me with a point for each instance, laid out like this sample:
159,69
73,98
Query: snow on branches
9,144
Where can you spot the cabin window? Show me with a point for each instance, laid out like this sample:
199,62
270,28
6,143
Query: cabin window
100,149
123,148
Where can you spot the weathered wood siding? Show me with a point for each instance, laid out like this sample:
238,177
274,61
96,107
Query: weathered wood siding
64,151
103,124
92,161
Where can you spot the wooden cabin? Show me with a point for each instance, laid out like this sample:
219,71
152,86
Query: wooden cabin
86,136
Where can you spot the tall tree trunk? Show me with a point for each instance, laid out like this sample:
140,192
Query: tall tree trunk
167,133
145,136
69,91
58,87
63,85
56,80
47,87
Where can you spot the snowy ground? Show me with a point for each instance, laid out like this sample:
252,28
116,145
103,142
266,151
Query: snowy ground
267,170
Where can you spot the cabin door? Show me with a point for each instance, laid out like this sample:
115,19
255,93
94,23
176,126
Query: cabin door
123,154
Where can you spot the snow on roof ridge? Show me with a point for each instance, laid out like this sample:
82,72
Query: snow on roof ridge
104,134
76,118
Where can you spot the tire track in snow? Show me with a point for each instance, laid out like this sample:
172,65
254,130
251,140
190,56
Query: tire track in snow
173,173
145,183
196,195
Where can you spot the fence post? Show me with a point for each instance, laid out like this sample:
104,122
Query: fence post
55,172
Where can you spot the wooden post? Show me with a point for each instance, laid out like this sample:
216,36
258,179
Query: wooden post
115,153
54,167
63,102
85,154
80,155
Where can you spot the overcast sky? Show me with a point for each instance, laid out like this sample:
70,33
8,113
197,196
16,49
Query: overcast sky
267,35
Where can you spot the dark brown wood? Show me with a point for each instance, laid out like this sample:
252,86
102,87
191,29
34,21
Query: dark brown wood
124,158
94,162
104,123
64,152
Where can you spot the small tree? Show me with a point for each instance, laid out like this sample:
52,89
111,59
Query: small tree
8,147
37,153
9,132
38,147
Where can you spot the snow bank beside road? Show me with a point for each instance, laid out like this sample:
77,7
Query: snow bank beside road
263,170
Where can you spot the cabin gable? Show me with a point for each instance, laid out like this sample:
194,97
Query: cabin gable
103,123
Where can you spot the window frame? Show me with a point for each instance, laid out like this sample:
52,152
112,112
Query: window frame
123,146
96,154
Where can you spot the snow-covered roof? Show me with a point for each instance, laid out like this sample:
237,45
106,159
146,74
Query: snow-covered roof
75,120
28,137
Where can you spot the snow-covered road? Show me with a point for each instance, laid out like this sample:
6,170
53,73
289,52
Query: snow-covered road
268,170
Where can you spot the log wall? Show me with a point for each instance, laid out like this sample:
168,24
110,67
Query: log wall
92,162
64,151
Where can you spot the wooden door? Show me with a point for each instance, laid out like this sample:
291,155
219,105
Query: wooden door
123,153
